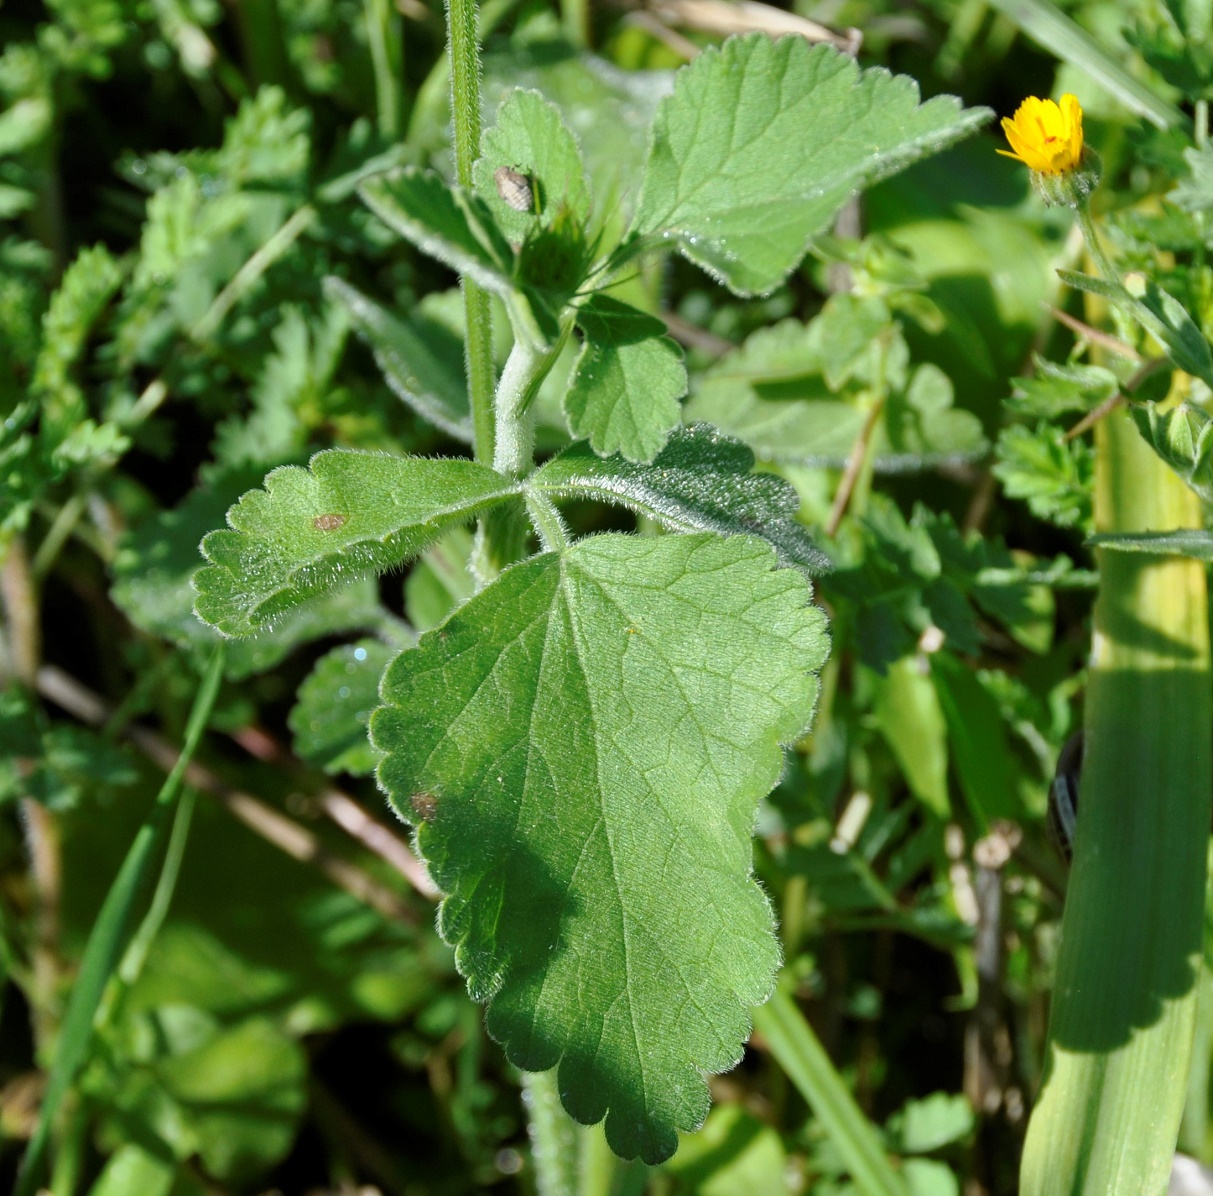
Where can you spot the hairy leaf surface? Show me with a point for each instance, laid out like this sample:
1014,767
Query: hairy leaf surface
445,222
763,141
530,139
421,362
582,747
701,481
350,513
627,382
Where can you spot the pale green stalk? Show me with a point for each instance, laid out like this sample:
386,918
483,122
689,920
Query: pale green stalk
555,1146
1128,971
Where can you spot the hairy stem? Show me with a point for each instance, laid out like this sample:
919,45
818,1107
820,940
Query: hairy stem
464,54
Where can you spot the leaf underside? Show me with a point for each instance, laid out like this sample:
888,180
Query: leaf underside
582,747
701,481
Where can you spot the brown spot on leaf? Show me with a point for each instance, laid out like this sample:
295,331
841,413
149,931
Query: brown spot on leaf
425,806
329,523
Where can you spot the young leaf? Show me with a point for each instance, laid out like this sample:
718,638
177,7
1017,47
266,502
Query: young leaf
422,363
582,746
445,222
310,529
700,481
1054,476
1054,390
627,382
1183,438
762,143
531,141
330,719
1195,193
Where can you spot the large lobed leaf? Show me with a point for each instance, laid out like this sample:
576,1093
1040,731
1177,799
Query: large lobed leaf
762,143
350,513
582,747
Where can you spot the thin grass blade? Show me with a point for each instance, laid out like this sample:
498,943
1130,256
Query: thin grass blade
804,1060
108,938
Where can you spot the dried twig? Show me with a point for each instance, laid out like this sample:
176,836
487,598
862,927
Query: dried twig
1094,335
283,832
724,17
855,463
346,813
694,337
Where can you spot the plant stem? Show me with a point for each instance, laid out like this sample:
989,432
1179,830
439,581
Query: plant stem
515,424
554,1135
1083,212
465,111
1128,970
547,522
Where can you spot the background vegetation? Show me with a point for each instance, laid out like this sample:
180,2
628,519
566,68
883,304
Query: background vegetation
192,294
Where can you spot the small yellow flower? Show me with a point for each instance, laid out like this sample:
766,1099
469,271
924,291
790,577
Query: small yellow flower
1046,137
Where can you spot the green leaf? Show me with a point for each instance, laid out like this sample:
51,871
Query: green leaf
330,719
1055,390
231,1097
446,222
86,288
701,481
763,142
1183,438
421,361
582,746
1054,476
154,570
350,513
1161,314
734,1152
932,1122
908,713
131,1168
1195,193
797,393
531,139
1186,542
978,736
294,378
627,381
